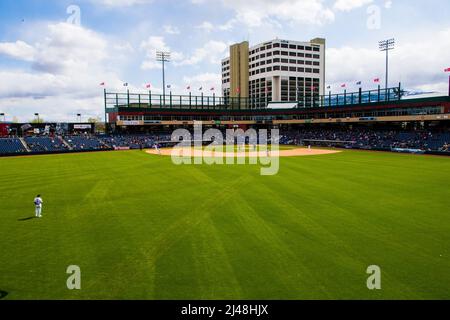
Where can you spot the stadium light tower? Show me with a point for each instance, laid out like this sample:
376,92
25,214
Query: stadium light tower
79,117
4,116
163,57
37,115
387,45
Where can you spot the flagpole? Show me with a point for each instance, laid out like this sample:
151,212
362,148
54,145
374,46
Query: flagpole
449,85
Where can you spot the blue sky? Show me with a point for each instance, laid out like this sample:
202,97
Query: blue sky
52,61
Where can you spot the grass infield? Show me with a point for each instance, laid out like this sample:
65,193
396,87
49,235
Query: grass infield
140,227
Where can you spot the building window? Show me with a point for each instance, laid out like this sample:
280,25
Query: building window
302,55
292,69
308,48
276,60
300,48
316,70
276,45
301,69
292,54
284,61
284,68
276,68
284,45
284,53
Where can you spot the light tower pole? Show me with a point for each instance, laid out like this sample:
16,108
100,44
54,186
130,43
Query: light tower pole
163,57
387,45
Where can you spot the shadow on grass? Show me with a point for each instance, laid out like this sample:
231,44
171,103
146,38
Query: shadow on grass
3,294
26,219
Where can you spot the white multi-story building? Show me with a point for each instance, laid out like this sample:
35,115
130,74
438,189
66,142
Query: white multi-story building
278,70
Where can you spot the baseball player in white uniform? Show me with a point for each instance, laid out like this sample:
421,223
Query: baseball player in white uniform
157,149
38,206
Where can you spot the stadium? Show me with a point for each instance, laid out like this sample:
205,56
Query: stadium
259,176
140,227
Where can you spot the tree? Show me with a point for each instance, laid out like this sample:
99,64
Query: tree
94,120
35,121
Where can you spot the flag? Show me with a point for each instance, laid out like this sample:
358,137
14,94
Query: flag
358,83
200,89
188,88
148,86
447,70
212,89
376,80
343,85
125,84
102,84
329,87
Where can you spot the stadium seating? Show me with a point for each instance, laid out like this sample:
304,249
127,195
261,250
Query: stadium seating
85,142
45,144
358,138
134,141
368,139
11,146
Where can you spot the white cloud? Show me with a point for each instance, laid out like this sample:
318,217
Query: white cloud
209,27
120,3
171,29
151,46
206,26
255,13
348,5
212,52
18,50
205,80
68,63
412,63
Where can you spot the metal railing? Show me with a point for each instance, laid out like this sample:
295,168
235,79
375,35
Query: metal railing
114,100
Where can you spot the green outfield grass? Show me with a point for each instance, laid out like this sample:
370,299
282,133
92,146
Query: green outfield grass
142,228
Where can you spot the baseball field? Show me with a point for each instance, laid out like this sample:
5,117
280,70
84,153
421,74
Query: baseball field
140,227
